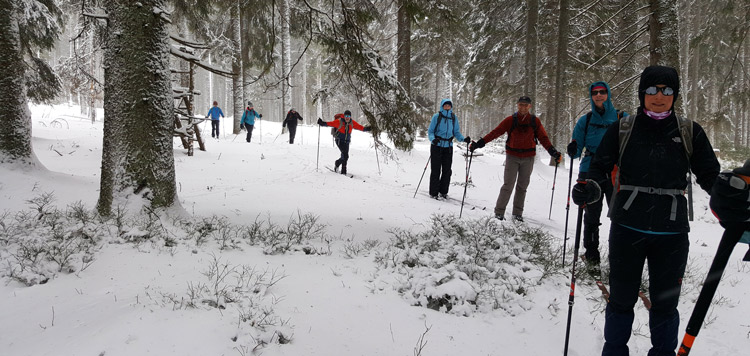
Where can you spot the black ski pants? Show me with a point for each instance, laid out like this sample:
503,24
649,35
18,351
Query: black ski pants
440,169
292,132
215,128
667,258
343,146
592,221
249,129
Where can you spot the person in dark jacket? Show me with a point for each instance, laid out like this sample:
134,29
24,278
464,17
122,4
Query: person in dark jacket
248,120
587,134
649,211
291,122
524,129
344,127
215,113
443,128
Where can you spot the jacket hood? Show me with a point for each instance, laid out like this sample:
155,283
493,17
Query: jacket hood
444,112
610,114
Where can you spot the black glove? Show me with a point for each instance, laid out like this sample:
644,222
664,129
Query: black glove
730,196
321,122
586,192
572,148
467,139
260,116
436,141
367,128
242,126
555,154
474,145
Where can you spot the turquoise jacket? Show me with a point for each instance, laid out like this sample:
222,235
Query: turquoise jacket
447,128
597,126
248,117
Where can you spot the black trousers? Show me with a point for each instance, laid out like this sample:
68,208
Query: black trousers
292,132
343,146
667,258
215,128
440,169
249,129
592,219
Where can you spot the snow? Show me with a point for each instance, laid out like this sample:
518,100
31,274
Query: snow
131,299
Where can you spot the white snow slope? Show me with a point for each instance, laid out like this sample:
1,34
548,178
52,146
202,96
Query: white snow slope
130,300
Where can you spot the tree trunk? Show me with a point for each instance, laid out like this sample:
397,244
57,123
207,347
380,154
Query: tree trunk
237,93
286,61
562,55
404,47
137,152
15,118
664,42
532,15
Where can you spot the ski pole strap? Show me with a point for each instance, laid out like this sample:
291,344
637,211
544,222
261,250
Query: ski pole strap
651,190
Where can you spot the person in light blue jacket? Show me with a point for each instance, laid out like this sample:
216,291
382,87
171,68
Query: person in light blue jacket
248,120
215,113
443,129
587,134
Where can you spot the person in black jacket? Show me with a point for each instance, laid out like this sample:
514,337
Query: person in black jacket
291,122
649,212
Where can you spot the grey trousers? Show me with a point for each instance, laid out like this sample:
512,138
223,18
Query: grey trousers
518,174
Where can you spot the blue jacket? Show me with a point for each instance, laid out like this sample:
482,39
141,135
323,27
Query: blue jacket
214,112
248,117
597,127
447,129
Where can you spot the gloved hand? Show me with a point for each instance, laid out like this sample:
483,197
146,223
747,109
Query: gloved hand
474,145
321,122
572,148
367,128
555,154
730,196
242,127
436,141
467,139
586,192
260,116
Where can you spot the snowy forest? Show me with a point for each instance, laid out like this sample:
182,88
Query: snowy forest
103,109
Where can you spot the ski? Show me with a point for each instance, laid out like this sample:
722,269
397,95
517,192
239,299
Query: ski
605,292
596,274
347,174
455,201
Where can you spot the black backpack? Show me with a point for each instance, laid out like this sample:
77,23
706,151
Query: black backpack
515,125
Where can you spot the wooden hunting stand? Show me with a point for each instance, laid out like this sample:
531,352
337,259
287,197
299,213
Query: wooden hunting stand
184,110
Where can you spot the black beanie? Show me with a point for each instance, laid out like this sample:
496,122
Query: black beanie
655,75
348,113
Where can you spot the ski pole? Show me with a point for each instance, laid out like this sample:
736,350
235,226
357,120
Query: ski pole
376,154
317,160
554,179
729,239
423,172
571,298
567,210
466,185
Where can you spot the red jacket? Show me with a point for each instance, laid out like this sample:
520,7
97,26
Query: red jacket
522,137
342,128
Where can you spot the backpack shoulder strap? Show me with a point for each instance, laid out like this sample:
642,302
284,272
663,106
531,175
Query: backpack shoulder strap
686,134
586,128
626,128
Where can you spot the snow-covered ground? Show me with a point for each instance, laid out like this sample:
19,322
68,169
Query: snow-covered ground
130,300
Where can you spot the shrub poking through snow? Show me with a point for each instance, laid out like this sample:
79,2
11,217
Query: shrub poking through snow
38,243
461,266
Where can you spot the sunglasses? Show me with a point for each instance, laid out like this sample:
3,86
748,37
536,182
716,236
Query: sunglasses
347,116
666,91
599,92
